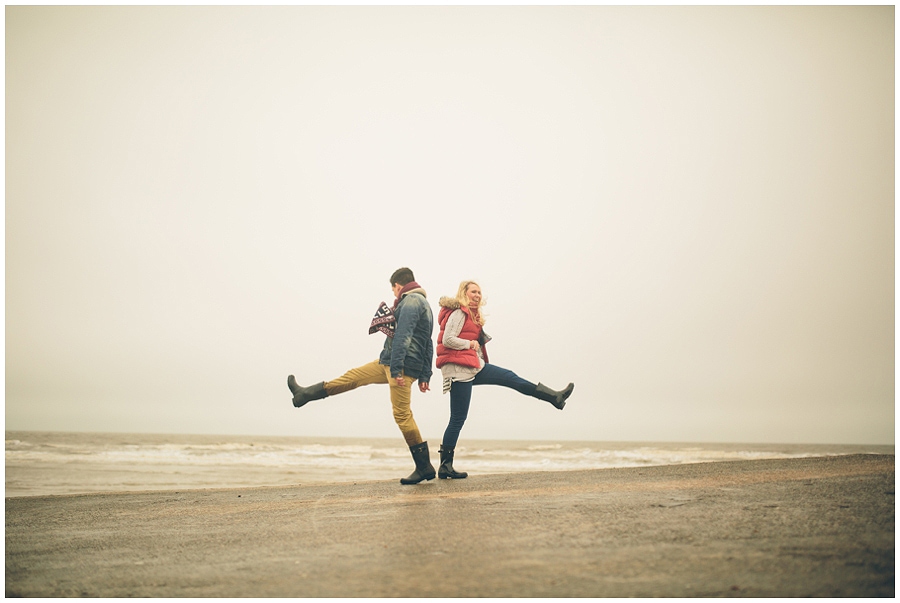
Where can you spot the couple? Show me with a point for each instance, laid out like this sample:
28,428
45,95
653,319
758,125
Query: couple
407,356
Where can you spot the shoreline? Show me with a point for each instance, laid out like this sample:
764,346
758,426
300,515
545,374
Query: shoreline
816,526
359,482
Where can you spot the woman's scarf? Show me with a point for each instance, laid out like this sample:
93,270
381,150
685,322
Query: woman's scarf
475,313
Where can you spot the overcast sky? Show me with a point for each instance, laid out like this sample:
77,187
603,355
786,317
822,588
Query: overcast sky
688,212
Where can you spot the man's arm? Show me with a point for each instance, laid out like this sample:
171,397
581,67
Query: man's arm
426,377
407,318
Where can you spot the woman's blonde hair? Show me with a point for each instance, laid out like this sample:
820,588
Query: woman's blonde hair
464,301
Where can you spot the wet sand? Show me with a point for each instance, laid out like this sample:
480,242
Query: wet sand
807,527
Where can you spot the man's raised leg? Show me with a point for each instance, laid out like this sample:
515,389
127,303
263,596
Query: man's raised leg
357,377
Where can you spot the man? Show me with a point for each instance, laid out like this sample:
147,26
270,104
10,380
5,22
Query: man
406,357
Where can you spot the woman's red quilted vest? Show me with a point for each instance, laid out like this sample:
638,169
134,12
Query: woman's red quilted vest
470,330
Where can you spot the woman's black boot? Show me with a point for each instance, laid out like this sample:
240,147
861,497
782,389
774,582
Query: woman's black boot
302,395
424,468
557,399
446,469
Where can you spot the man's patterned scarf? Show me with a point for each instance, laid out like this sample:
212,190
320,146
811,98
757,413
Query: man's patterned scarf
384,320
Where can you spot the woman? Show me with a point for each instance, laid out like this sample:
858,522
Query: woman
463,360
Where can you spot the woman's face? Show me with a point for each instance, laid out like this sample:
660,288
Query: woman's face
473,292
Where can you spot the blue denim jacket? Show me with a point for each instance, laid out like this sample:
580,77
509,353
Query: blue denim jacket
411,350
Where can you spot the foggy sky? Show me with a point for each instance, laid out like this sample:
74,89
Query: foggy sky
689,212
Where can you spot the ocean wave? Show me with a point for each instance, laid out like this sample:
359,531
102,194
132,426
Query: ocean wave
42,463
237,453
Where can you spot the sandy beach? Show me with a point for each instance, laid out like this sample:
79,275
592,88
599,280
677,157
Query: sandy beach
799,527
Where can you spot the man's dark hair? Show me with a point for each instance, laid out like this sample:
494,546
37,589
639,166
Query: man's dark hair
402,276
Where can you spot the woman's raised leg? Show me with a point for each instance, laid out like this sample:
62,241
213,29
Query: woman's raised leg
492,374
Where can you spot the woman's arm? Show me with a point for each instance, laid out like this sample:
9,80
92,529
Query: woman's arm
455,323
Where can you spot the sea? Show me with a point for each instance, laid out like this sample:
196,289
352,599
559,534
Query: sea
61,463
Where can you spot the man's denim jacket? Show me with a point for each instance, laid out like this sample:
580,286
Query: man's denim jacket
410,351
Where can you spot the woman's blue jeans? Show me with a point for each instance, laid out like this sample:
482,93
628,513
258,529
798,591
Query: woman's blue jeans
461,395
